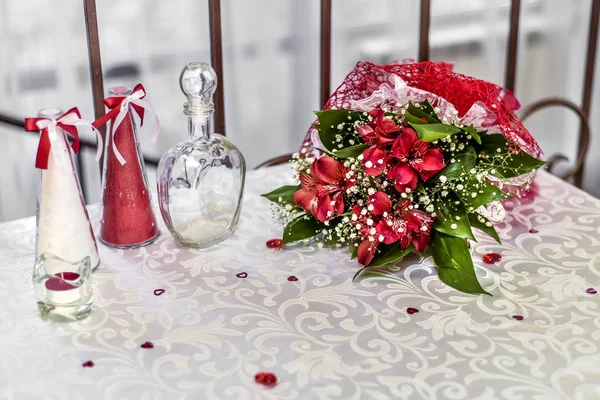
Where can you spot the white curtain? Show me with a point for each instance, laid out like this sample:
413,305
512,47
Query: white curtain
271,57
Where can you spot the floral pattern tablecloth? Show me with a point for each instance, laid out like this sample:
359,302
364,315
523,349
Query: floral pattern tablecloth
322,335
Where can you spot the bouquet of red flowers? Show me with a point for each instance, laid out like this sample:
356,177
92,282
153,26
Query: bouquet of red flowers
405,169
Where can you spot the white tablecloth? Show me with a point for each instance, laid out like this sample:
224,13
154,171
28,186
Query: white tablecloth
324,336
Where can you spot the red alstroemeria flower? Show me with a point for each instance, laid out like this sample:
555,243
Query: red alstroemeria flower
366,227
381,133
322,192
414,158
387,224
420,224
378,135
405,225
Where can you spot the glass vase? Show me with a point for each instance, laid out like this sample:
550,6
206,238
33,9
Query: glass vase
62,222
200,180
127,218
63,289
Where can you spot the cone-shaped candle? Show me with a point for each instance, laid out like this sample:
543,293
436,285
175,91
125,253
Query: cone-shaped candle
127,218
63,225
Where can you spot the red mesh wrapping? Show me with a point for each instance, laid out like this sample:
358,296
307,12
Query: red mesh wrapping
438,78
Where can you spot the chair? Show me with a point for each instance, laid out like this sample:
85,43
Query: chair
583,111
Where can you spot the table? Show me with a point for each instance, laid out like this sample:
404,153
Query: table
324,336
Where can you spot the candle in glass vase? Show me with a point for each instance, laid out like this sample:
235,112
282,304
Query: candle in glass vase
63,225
60,291
63,289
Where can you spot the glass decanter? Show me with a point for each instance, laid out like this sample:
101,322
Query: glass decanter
200,180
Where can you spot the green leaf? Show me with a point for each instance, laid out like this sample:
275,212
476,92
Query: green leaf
504,163
411,119
470,130
453,220
302,227
285,193
485,193
328,122
479,222
358,273
491,143
428,108
387,254
354,252
425,111
455,265
465,161
352,151
433,132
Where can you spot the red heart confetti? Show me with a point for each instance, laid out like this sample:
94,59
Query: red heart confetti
492,258
292,278
88,364
518,317
158,292
242,275
147,345
274,243
591,291
533,230
266,378
411,310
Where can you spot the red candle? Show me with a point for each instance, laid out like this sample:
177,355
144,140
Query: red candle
127,217
60,291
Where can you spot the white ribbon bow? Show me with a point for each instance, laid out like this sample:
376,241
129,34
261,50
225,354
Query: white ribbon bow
133,98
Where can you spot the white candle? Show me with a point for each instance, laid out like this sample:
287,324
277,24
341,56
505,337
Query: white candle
63,225
60,291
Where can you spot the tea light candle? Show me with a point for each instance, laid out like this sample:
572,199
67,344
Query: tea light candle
60,291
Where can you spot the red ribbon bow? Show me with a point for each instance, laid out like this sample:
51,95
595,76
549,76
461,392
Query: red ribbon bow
41,124
114,104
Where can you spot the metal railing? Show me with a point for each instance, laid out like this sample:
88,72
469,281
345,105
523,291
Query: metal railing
583,111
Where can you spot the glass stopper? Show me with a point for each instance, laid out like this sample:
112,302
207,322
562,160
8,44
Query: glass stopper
117,91
198,81
50,113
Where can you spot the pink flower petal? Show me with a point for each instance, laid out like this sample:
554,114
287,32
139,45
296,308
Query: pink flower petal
420,241
366,252
327,170
325,209
385,127
305,198
339,202
381,203
373,161
403,176
433,160
404,143
307,181
390,233
367,134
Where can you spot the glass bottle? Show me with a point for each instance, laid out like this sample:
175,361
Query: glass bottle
127,218
200,180
62,222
